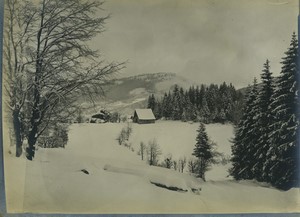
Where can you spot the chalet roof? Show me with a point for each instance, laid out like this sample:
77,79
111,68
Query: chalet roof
145,114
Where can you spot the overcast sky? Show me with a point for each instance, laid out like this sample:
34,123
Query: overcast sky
206,41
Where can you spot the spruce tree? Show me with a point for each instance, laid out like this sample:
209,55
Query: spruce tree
165,105
151,102
191,94
197,97
282,159
190,109
203,151
243,147
168,108
204,111
264,120
177,104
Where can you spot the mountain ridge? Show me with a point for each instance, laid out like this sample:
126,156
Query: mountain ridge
128,93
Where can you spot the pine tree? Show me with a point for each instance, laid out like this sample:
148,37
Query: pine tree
177,104
191,94
221,116
151,102
264,120
203,151
282,159
197,97
190,110
235,112
243,147
158,110
201,96
204,111
168,108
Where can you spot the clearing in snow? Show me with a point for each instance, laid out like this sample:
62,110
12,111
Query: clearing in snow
94,174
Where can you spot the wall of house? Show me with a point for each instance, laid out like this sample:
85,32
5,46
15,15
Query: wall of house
146,121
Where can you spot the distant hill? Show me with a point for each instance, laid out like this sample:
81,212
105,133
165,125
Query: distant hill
143,85
126,94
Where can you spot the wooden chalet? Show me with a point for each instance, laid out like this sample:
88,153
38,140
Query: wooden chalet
143,116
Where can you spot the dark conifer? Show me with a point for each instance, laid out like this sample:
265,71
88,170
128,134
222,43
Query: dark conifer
151,102
243,147
283,153
264,121
203,151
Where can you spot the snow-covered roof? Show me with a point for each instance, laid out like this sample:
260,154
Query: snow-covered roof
145,114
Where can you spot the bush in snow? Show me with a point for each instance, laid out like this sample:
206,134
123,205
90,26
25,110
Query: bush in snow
114,117
124,136
128,130
121,138
54,138
175,165
167,163
124,119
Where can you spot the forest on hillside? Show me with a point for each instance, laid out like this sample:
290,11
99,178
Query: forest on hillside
207,104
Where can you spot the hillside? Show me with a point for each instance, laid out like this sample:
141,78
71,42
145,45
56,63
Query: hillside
120,182
126,94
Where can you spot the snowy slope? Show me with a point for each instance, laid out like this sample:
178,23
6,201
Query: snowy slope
128,93
119,182
178,139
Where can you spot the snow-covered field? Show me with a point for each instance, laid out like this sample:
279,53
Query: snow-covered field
120,182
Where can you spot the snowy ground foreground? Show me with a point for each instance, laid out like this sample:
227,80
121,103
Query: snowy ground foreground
119,182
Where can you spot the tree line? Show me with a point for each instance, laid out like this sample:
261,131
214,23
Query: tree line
207,104
265,146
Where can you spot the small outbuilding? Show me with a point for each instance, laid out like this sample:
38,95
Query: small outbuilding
143,116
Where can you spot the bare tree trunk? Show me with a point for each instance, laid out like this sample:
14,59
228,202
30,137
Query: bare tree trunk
32,136
17,132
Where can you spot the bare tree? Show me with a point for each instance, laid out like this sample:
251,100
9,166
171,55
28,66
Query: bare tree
142,150
51,37
154,152
129,129
17,32
182,163
122,137
192,165
175,165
